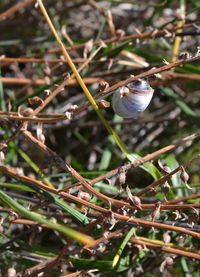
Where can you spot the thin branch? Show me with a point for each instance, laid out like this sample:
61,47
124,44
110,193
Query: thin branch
182,199
17,7
159,245
39,82
7,60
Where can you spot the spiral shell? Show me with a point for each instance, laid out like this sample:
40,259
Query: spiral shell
132,99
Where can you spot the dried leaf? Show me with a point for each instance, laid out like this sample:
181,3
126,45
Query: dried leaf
103,104
193,217
167,262
11,272
103,85
35,100
27,112
184,177
178,215
183,56
68,115
156,213
39,133
153,191
88,47
120,33
2,157
165,168
165,188
47,69
72,108
135,200
166,237
84,195
3,145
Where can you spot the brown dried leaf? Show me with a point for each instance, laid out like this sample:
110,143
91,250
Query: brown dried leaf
166,237
167,262
135,200
88,47
35,100
184,177
156,213
27,112
103,85
165,188
39,133
103,104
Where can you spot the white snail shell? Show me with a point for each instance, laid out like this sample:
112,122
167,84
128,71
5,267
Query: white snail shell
132,99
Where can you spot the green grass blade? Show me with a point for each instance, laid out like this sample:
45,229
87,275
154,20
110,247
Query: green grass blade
82,238
34,167
122,246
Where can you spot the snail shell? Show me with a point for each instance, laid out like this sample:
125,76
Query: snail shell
132,99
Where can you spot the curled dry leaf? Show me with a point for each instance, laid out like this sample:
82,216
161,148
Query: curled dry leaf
193,217
156,213
35,100
2,157
27,112
153,191
3,145
111,220
135,200
68,115
184,177
39,133
19,111
102,44
165,169
103,104
70,111
109,18
47,80
84,195
177,215
165,61
11,272
72,108
198,51
183,56
47,69
167,262
154,33
180,15
167,34
110,63
88,48
121,179
47,91
120,33
165,188
166,237
103,85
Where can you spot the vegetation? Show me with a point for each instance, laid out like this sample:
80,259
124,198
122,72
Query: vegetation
84,192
